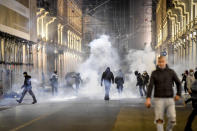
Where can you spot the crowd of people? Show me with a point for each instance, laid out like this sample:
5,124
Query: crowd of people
161,82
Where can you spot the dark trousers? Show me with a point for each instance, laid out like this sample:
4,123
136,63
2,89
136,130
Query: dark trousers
30,92
120,88
191,117
185,87
142,90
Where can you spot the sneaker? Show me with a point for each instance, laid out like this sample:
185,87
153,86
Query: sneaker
18,101
106,98
34,102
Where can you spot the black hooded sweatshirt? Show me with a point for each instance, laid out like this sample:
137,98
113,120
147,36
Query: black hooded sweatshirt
163,80
108,76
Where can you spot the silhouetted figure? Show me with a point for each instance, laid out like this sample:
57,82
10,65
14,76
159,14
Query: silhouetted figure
107,77
54,83
119,80
27,88
78,80
184,80
146,78
140,83
193,98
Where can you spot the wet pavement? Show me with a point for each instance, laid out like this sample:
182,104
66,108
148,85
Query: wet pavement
85,115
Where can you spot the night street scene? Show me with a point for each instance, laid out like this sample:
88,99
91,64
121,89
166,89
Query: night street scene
98,65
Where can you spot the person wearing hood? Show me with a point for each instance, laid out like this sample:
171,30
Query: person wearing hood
146,79
78,80
140,83
162,80
108,78
193,98
119,80
27,88
190,79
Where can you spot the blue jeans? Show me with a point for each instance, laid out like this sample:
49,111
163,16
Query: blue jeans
162,106
107,88
142,90
120,88
29,90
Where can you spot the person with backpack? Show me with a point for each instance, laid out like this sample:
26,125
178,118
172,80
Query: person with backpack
119,80
146,79
27,88
54,83
108,78
193,98
140,83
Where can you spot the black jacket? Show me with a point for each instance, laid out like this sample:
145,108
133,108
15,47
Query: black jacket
119,80
27,82
108,75
146,78
163,80
140,81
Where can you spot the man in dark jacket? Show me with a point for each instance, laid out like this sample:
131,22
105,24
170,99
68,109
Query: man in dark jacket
119,80
193,98
146,79
78,80
140,83
27,88
107,77
162,80
54,83
184,79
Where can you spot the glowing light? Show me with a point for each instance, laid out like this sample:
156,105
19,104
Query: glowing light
53,19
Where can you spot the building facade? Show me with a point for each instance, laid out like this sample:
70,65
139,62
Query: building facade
176,31
17,36
59,37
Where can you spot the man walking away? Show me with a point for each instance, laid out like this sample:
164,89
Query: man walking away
119,80
107,77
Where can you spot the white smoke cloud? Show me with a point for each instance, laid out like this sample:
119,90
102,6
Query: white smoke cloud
102,55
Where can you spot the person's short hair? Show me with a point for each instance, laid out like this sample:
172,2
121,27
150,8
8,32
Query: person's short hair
55,72
25,73
161,57
187,72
